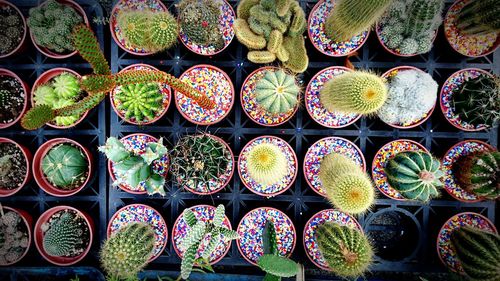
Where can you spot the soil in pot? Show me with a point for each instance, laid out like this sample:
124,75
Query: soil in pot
11,98
13,166
14,237
11,29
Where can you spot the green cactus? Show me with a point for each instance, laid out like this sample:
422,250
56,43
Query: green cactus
267,163
351,17
140,102
479,18
347,251
277,92
269,242
65,166
66,86
128,251
278,266
86,43
478,252
163,31
479,173
133,24
63,236
354,92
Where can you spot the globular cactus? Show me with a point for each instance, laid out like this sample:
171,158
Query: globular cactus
163,31
267,164
354,92
277,92
133,24
347,251
348,188
63,236
479,173
479,18
140,102
478,252
88,48
66,86
65,166
128,251
11,30
351,17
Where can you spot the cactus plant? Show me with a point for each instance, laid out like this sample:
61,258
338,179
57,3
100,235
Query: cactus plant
477,100
267,163
354,92
140,102
13,237
277,92
12,97
85,42
128,251
66,86
347,187
347,251
479,18
351,17
478,252
65,166
64,235
415,174
479,173
11,30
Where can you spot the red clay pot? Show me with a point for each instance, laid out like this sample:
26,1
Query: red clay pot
28,221
22,44
28,157
6,72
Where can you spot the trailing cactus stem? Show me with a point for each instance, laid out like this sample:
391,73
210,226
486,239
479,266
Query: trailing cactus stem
87,46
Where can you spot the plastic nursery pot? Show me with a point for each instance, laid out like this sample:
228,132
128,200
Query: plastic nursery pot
446,96
6,72
28,223
22,43
467,45
164,89
45,78
28,158
394,52
51,54
386,75
253,110
39,234
40,178
115,30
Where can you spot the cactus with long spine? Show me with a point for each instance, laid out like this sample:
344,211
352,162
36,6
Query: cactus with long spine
479,18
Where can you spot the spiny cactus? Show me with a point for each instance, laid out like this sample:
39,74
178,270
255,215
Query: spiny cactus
479,18
13,237
478,252
86,43
140,102
351,17
65,166
63,235
479,173
128,251
277,92
267,164
66,86
347,186
164,31
134,24
347,251
354,92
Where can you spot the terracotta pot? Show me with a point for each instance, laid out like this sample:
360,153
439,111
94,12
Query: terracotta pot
28,222
38,233
22,44
40,179
6,72
377,31
27,157
46,77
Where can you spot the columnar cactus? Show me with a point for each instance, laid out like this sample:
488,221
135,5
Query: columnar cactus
479,18
267,163
86,43
140,102
65,166
277,92
63,236
479,173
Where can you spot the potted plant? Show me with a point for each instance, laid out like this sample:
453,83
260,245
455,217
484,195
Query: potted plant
203,164
137,163
63,235
15,229
12,29
266,44
409,27
51,25
411,97
58,88
471,27
62,167
14,166
13,98
141,103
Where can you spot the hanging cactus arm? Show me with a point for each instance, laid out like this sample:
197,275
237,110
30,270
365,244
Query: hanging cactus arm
278,266
187,90
97,83
82,106
87,46
37,116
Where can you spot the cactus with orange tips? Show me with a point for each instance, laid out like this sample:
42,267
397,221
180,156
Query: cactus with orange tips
88,47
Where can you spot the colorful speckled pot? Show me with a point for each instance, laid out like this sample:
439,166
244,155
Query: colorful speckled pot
6,72
28,223
28,158
20,47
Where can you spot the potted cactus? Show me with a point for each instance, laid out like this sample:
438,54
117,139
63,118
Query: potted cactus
13,98
51,24
63,235
15,166
12,29
15,232
479,174
62,167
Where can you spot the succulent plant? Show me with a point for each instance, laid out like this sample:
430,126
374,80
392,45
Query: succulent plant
13,237
479,173
267,164
11,30
66,86
415,174
65,166
277,92
128,251
13,166
133,24
88,48
479,18
63,235
351,17
140,102
354,92
347,251
163,31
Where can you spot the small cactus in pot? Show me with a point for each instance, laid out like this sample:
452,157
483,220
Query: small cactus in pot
140,102
479,173
479,18
267,163
277,92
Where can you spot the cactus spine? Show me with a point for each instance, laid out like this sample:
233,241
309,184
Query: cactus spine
63,236
277,92
479,18
479,174
65,166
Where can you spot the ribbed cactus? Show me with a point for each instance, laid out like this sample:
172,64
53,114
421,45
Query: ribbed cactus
277,92
163,31
66,86
128,251
479,17
478,252
63,236
479,173
354,92
88,48
351,17
347,251
140,102
65,166
267,163
348,188
133,24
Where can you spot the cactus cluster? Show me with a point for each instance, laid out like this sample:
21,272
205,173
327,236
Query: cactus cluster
11,99
140,102
354,92
13,237
347,187
479,18
277,92
477,101
199,231
13,166
52,24
11,30
351,17
479,173
272,29
267,163
65,234
137,169
65,166
409,26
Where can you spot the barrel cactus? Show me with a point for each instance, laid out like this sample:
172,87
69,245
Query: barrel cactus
479,173
66,86
65,166
63,236
479,18
415,174
277,92
163,31
133,25
140,102
478,252
266,163
347,251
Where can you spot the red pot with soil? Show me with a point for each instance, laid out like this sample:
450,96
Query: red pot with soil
15,160
14,104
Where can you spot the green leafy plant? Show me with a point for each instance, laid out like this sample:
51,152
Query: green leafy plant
416,175
63,236
13,237
140,102
479,18
277,92
272,29
267,164
479,173
65,166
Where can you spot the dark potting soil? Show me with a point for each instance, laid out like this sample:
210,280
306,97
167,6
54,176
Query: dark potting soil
11,99
12,166
11,29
